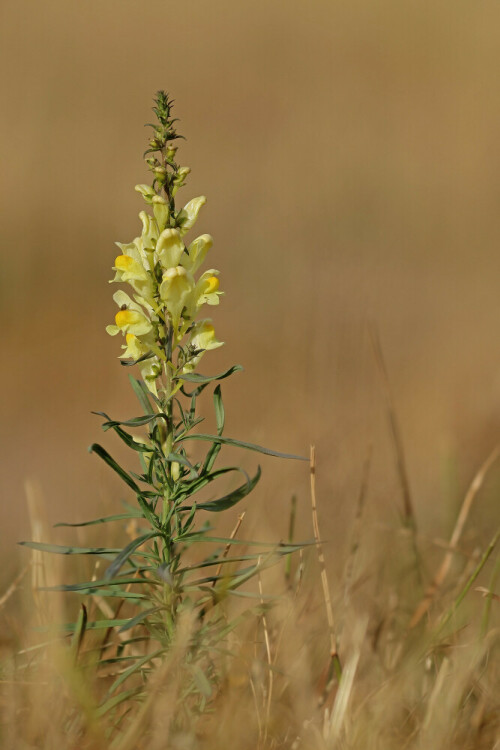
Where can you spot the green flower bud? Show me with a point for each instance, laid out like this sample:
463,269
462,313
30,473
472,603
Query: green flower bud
147,192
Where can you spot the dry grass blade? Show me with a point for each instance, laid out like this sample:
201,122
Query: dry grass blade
269,663
228,546
455,538
349,568
334,656
409,512
13,586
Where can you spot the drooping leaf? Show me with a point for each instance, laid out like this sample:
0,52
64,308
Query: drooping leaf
104,519
227,501
241,444
196,485
59,549
70,627
94,586
134,422
198,378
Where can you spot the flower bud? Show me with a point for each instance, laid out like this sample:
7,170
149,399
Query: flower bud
147,192
171,152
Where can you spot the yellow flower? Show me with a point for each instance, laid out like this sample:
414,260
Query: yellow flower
129,267
130,318
202,339
150,232
169,248
150,368
161,212
175,290
207,288
187,217
196,253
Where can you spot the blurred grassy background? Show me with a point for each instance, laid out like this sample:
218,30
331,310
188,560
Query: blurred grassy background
349,152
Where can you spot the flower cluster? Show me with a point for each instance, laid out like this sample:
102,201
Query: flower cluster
162,315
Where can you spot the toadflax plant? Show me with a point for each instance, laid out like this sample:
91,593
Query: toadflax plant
161,318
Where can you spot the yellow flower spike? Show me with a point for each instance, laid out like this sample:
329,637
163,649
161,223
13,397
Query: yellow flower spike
186,218
161,212
197,251
175,290
169,248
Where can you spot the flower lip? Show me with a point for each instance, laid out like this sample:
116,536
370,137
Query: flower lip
127,317
212,284
124,262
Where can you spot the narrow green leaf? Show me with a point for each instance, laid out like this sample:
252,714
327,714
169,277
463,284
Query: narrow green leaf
102,453
223,503
195,486
116,593
59,549
104,519
71,627
210,458
79,634
127,551
95,586
196,377
241,444
134,422
116,700
139,618
142,394
134,668
148,512
219,410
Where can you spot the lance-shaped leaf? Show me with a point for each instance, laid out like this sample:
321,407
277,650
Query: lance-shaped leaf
139,618
104,519
219,410
142,393
232,498
134,422
59,549
127,551
198,378
102,453
241,444
93,586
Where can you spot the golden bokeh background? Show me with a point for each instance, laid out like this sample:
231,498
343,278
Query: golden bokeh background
349,152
